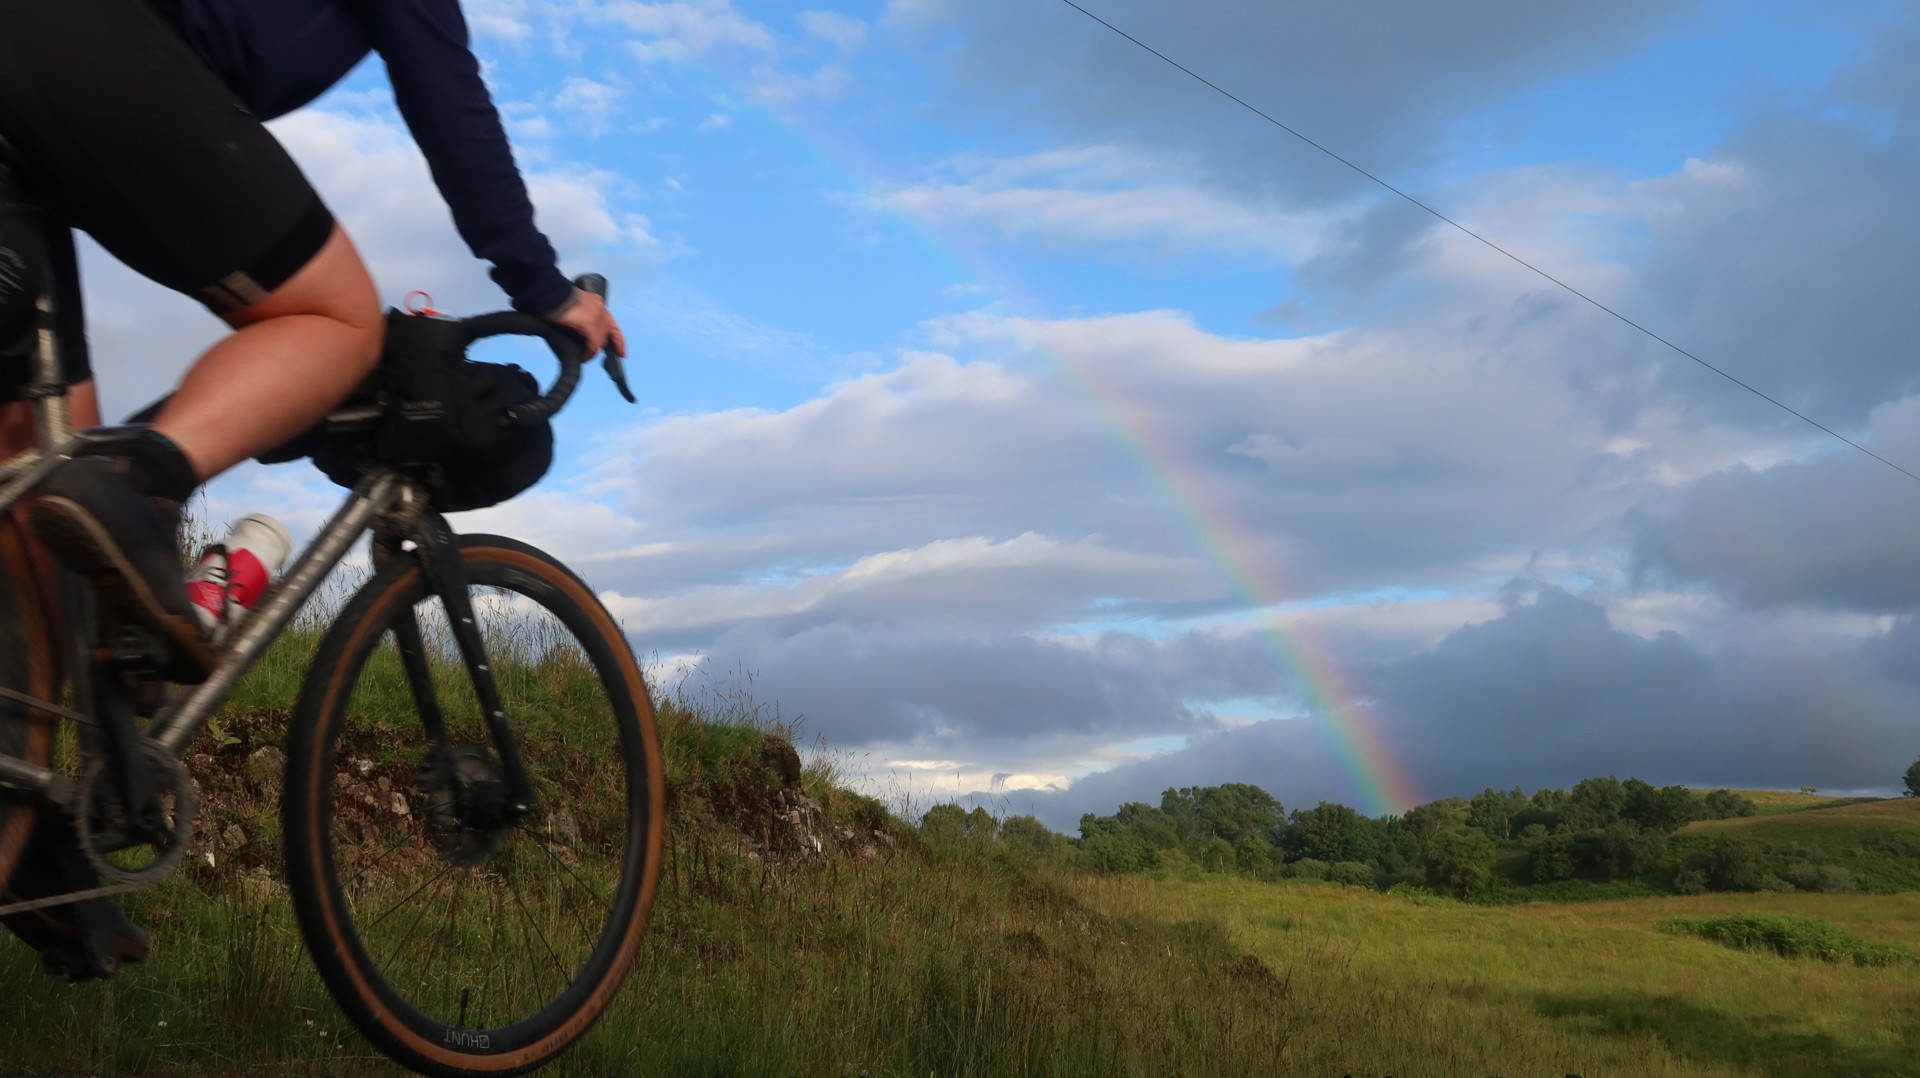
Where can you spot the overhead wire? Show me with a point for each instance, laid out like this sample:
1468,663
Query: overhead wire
1243,103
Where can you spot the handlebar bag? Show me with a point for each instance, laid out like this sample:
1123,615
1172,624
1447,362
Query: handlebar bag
445,420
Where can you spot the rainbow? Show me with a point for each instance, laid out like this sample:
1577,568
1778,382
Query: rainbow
1349,727
1380,782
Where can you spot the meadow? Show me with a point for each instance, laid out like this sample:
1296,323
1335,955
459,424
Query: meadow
804,929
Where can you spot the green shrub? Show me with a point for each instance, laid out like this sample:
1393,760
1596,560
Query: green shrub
1551,859
1726,863
1811,876
1790,937
1352,873
1304,869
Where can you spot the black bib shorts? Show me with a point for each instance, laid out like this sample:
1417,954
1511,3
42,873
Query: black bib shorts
119,130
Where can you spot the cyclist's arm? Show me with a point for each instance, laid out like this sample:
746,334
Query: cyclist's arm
439,90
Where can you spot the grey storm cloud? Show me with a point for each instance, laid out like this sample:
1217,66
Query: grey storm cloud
1552,692
963,692
1835,532
1385,82
1799,277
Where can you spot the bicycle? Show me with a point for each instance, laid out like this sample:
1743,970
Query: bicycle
517,824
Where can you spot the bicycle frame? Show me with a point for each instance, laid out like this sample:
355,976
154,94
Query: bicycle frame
176,725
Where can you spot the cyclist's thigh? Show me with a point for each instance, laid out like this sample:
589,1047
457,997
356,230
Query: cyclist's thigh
136,142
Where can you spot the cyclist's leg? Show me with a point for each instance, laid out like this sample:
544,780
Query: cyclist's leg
294,355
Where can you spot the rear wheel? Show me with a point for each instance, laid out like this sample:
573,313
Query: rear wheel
457,941
26,666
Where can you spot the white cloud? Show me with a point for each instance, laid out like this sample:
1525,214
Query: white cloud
843,32
1102,195
594,102
675,31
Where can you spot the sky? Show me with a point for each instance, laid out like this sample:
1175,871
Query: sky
1029,423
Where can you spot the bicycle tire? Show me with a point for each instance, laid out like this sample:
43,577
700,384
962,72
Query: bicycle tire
325,822
26,665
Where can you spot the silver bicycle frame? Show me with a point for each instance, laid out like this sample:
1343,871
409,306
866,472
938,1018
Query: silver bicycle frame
175,727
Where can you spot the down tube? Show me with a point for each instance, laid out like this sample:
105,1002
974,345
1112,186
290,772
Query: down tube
179,727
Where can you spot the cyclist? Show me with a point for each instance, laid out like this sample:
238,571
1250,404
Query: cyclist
139,122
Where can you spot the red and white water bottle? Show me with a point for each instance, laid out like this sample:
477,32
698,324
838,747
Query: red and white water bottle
231,577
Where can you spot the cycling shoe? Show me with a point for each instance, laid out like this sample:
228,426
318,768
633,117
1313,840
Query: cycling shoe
93,520
79,941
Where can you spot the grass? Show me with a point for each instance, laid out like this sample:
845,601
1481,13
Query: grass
1777,802
1398,987
1877,842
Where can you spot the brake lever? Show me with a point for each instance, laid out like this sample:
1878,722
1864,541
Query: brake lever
616,369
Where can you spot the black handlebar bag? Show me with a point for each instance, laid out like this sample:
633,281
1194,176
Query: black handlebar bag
457,424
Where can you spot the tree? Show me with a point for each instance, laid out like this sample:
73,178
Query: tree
1665,809
1596,802
1332,833
1727,863
1422,820
1725,804
1551,859
1458,860
1913,780
1624,850
1493,812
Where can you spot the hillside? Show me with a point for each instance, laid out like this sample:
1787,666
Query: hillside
800,930
1774,802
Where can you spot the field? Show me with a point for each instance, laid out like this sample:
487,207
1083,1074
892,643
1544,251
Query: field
803,930
1382,985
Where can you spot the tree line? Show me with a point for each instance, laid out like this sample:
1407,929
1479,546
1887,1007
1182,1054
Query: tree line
1602,829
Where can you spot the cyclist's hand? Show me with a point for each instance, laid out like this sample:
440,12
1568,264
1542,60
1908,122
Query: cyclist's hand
588,316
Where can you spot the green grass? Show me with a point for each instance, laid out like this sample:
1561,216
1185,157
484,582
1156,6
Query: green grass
1779,802
1391,986
1877,842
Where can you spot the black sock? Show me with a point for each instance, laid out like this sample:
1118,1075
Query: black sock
157,468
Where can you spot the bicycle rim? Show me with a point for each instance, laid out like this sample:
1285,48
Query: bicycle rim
26,666
456,946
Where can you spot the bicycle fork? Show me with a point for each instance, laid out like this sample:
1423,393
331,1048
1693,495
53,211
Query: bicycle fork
438,551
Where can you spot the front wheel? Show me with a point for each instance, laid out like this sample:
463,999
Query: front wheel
458,939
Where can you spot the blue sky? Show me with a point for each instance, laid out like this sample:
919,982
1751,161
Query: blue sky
1006,395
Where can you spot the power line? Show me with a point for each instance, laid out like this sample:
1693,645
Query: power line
1216,88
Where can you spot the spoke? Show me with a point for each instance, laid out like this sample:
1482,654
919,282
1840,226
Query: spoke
566,978
453,922
600,901
410,897
411,929
384,854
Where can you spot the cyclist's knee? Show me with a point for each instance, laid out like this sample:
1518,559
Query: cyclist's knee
335,285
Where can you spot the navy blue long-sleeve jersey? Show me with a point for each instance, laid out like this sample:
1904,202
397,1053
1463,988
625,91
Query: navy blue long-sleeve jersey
277,55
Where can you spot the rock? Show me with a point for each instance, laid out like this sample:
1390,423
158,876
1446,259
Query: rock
233,837
258,884
266,765
564,825
383,784
363,765
398,802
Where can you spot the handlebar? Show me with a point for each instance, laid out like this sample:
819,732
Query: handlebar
567,347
